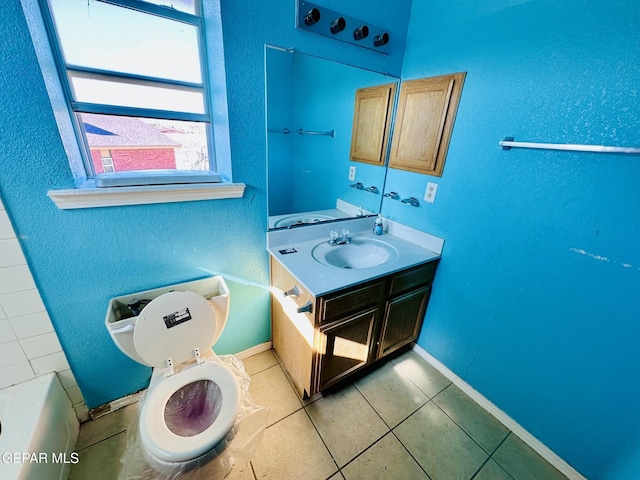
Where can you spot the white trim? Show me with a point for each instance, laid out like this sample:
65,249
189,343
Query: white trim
263,347
517,429
116,196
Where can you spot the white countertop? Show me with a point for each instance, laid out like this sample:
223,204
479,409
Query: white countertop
414,248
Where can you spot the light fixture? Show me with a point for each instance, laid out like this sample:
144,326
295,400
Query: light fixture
338,25
381,39
312,17
361,32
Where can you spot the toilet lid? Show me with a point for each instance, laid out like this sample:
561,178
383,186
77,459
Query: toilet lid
173,325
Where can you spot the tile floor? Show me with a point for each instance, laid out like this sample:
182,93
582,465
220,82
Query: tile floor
404,420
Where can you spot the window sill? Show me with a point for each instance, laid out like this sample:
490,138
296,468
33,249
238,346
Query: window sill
92,197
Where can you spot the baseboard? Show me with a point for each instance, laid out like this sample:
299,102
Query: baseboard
542,450
263,347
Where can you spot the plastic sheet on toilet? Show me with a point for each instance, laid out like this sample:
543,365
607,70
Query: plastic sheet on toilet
191,410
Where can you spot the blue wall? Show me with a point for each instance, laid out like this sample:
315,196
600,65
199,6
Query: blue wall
536,302
81,258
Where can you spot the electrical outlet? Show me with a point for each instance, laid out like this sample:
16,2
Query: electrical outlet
430,193
352,174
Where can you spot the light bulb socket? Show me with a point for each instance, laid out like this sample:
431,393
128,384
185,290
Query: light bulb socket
381,39
312,17
338,25
361,32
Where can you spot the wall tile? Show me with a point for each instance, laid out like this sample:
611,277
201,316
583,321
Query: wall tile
6,229
75,395
32,324
15,279
22,303
67,379
11,353
41,345
18,373
54,362
11,253
6,332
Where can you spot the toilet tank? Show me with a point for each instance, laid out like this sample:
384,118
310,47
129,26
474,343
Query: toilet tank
121,322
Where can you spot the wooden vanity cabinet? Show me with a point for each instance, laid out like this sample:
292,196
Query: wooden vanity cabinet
346,330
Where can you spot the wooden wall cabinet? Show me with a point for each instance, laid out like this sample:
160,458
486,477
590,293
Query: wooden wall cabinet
346,330
426,113
371,122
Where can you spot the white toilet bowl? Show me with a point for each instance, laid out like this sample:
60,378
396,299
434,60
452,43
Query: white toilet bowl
192,402
175,430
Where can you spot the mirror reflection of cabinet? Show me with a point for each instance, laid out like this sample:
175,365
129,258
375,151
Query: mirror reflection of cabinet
371,122
426,113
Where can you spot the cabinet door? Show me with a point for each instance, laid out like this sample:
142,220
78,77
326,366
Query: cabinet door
345,346
371,121
426,112
403,319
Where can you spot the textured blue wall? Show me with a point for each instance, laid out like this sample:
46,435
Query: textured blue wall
536,302
82,258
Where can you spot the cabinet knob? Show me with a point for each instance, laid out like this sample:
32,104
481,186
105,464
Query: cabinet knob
307,307
294,292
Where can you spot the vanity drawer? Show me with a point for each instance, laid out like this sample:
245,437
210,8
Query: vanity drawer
349,301
422,275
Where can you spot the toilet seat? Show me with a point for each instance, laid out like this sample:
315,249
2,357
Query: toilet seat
165,445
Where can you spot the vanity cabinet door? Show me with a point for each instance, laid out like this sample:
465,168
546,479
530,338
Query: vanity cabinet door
403,319
345,346
371,122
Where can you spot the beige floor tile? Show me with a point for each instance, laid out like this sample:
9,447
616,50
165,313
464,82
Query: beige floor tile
292,450
523,463
260,361
424,375
244,473
346,423
385,460
440,446
100,461
492,471
270,388
337,476
391,394
475,420
106,426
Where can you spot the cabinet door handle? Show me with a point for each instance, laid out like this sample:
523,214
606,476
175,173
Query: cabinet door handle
307,307
294,292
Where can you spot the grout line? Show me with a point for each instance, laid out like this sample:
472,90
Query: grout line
410,454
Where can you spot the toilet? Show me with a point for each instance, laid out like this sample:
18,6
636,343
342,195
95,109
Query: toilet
192,402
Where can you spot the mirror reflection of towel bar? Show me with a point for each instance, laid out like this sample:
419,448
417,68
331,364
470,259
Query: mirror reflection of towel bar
275,130
330,133
509,143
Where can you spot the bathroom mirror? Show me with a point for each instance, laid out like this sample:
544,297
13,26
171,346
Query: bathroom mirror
310,107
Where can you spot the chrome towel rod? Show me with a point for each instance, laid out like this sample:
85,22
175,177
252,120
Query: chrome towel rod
328,134
509,143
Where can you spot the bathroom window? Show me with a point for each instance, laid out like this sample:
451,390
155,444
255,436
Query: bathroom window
135,78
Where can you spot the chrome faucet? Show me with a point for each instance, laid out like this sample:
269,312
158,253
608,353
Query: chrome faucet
413,201
339,239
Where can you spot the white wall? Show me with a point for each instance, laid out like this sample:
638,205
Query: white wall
29,346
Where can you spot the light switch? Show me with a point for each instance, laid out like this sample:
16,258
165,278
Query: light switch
430,193
352,174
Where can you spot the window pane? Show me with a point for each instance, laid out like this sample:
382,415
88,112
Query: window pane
99,35
187,6
145,144
141,96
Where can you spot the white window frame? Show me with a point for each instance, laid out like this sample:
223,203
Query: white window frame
85,194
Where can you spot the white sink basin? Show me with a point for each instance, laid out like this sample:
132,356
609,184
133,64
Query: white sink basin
302,219
360,253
